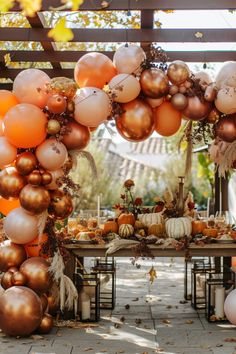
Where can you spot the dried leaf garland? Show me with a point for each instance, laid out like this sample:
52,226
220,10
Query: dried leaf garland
228,160
76,154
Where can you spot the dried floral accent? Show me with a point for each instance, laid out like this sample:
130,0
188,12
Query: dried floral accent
138,201
68,185
203,132
156,57
198,35
129,183
141,250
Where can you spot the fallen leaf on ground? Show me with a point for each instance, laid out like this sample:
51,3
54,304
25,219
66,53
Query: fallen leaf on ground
87,349
166,321
117,325
189,321
136,299
138,321
183,302
122,319
230,340
36,336
127,306
169,307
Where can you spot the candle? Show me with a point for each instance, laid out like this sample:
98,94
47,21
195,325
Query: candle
208,207
98,208
180,204
85,306
219,302
220,199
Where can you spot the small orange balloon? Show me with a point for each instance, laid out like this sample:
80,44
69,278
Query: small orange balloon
7,100
7,205
33,248
167,119
94,70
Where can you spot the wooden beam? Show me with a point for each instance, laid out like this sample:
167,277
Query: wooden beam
11,73
147,18
144,5
122,35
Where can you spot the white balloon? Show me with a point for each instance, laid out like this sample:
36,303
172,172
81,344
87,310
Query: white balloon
204,77
227,75
225,101
230,307
128,58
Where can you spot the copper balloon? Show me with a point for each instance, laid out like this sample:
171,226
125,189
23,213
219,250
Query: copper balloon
20,311
61,205
213,116
46,178
154,83
36,272
18,279
137,122
34,199
6,281
35,178
12,270
46,324
173,89
11,255
44,301
78,136
178,72
53,305
11,183
196,109
56,104
179,101
210,93
26,163
226,128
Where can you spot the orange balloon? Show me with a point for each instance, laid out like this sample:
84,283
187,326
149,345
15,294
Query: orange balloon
34,247
25,125
7,100
94,70
7,205
167,119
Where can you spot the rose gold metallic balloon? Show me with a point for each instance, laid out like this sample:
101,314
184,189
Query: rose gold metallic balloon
11,183
20,227
51,154
154,102
56,104
11,255
178,72
44,301
124,87
137,122
34,199
213,116
6,281
7,152
35,178
154,83
36,272
196,109
179,101
26,163
46,324
225,101
210,93
78,136
18,279
55,183
61,205
46,178
20,311
226,128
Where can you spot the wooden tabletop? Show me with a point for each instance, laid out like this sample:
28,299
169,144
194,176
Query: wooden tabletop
213,250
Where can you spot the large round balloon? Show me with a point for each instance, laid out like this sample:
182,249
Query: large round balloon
20,311
78,136
11,183
154,83
92,106
61,205
11,255
30,86
230,307
94,69
197,109
34,199
226,75
225,101
128,59
36,272
7,100
25,125
167,119
8,152
178,72
7,205
124,87
226,128
51,154
20,227
136,123
33,248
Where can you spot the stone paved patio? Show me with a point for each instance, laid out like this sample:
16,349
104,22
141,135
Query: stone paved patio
156,321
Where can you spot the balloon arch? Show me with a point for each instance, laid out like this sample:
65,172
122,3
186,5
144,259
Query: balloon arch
46,122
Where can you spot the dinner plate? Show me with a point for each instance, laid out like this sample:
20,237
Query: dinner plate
225,241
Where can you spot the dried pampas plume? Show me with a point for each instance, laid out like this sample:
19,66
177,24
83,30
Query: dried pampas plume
228,160
76,154
42,218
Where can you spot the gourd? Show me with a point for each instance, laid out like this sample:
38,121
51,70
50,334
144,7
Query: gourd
198,226
210,232
150,218
178,227
126,218
138,225
156,229
110,226
126,230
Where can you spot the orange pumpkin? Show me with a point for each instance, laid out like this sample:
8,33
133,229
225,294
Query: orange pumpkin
34,247
110,226
210,232
198,226
126,218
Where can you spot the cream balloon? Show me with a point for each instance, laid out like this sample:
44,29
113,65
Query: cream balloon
125,87
128,59
92,106
20,226
8,152
225,101
230,307
204,77
51,154
55,175
154,102
29,86
227,75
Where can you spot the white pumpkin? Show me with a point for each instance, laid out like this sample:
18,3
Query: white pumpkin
150,218
178,227
126,230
